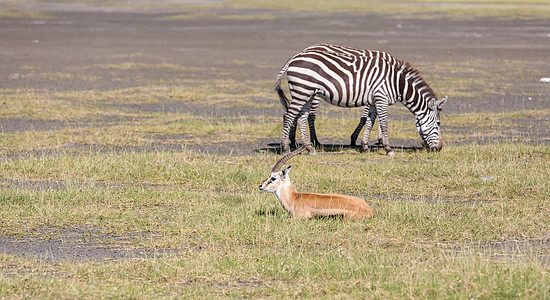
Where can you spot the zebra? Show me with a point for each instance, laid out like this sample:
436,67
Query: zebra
350,77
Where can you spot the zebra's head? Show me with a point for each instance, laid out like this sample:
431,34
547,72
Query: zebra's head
428,125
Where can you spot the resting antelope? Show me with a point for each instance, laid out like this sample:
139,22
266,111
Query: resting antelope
308,205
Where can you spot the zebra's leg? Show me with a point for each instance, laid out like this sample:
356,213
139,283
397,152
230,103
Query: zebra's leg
355,134
291,120
357,130
382,111
302,124
303,117
312,133
288,123
311,122
369,121
380,134
292,133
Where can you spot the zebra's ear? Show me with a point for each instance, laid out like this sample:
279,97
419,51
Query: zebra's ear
432,104
442,102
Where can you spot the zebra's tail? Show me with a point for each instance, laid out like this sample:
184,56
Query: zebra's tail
282,97
285,102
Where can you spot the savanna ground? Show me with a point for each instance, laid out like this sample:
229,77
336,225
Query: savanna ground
133,138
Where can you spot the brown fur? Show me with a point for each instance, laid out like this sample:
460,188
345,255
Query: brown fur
309,205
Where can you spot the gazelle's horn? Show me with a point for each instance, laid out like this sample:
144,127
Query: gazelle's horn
285,158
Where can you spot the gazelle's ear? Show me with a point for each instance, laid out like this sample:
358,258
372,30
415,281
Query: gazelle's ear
442,102
284,172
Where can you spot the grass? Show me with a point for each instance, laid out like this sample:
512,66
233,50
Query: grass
458,9
236,241
236,17
429,9
436,234
471,221
8,11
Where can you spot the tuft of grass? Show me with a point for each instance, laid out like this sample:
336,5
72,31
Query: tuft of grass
455,9
143,66
239,17
17,13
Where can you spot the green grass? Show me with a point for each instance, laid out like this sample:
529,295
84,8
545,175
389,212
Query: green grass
431,213
232,240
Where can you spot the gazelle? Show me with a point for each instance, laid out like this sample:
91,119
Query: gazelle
309,205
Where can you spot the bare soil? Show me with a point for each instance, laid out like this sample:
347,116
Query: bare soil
80,244
84,40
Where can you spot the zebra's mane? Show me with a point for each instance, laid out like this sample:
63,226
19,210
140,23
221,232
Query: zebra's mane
412,75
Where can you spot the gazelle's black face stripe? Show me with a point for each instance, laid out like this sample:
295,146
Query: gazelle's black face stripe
272,179
351,77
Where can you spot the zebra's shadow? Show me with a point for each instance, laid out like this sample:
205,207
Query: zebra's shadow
336,148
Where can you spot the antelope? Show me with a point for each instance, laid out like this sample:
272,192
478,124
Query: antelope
309,205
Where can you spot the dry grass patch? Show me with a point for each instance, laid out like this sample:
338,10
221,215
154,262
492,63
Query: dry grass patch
430,9
12,12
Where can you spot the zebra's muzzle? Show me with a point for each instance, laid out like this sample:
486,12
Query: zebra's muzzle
438,146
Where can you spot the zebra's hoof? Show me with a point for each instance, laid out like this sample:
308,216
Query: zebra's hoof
364,147
390,153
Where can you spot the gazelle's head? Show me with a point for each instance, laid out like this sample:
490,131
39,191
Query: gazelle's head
275,181
278,177
428,125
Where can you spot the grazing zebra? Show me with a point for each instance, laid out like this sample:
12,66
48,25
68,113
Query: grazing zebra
351,77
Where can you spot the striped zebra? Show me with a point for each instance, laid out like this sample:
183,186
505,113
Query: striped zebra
349,77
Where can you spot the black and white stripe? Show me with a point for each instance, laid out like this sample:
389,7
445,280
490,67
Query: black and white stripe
351,77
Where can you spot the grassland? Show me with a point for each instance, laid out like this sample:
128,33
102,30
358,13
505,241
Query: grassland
436,233
132,170
436,221
470,221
